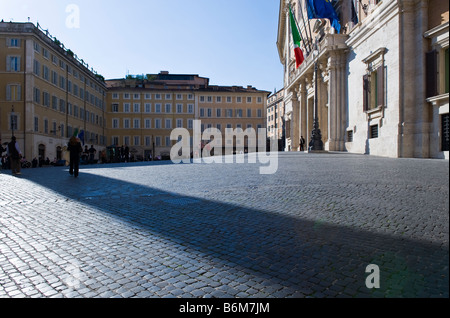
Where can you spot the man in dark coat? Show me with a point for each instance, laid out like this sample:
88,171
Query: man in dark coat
75,150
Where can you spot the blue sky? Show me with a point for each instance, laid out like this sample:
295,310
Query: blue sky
232,42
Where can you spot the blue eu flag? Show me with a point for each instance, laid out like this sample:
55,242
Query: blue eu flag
323,9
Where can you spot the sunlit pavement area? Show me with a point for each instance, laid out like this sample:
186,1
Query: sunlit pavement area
159,229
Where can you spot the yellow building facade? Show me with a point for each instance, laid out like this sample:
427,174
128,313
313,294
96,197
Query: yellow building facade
46,93
142,112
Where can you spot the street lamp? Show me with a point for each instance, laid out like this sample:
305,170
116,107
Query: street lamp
316,143
12,120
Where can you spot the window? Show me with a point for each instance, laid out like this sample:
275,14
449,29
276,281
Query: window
218,112
202,99
157,96
136,123
218,99
350,136
115,123
148,108
168,108
239,99
239,113
190,123
136,96
137,108
445,132
179,97
259,113
179,108
126,108
373,81
209,112
36,67
190,96
373,131
157,108
229,113
249,99
168,124
190,108
249,112
168,96
62,105
115,96
228,99
14,43
179,123
115,108
259,100
13,64
202,112
168,141
126,96
148,123
37,95
209,99
157,123
36,124
14,124
158,141
137,140
46,99
54,78
13,92
126,123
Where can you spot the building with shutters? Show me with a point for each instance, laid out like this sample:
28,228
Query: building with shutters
46,93
143,110
382,82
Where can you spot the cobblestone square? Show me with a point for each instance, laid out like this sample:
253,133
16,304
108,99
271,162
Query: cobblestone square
157,229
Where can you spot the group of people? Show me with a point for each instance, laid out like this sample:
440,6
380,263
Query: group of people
14,155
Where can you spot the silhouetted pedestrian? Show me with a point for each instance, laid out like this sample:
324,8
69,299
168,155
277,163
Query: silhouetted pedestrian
75,149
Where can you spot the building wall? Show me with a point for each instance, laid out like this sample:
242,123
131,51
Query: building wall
365,40
53,85
185,105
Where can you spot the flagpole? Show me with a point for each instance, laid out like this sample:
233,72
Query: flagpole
309,20
300,30
304,25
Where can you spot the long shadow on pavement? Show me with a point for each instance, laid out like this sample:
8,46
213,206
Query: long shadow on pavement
312,258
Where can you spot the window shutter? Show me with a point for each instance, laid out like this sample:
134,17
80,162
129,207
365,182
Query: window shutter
380,85
8,92
365,92
431,73
8,63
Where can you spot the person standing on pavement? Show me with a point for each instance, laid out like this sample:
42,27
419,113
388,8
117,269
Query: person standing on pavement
302,143
2,150
75,149
92,152
14,153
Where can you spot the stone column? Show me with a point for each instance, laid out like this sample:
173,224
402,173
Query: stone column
336,102
295,122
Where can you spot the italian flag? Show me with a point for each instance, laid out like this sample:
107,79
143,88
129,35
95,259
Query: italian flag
297,39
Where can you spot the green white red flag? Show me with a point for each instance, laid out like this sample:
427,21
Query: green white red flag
296,39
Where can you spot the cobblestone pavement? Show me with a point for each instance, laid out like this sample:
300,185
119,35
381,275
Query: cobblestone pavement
223,230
